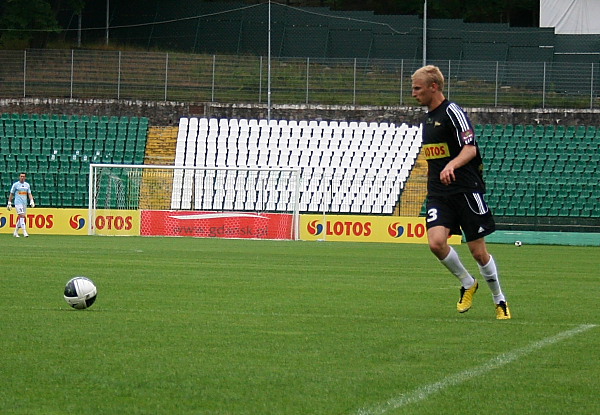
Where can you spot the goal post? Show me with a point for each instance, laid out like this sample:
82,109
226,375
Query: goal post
233,202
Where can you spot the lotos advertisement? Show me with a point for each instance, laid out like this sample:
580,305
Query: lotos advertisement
72,222
391,229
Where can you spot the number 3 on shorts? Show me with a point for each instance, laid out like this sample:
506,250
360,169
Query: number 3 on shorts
432,215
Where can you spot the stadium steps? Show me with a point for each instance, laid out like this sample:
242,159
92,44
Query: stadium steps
160,150
416,187
160,146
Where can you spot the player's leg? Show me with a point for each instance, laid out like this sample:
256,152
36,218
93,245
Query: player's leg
439,227
438,243
19,210
23,225
489,271
21,221
477,223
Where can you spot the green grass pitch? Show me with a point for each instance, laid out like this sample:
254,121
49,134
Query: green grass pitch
205,326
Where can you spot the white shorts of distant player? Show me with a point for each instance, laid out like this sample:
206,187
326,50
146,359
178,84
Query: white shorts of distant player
21,210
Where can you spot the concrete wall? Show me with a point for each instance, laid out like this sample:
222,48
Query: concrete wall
168,113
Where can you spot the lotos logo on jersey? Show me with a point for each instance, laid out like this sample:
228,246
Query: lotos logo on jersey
77,222
436,151
395,230
315,227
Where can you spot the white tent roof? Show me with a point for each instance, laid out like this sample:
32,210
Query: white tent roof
571,16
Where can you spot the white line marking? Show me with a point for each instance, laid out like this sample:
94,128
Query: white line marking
458,378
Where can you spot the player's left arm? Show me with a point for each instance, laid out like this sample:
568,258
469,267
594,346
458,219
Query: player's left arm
467,154
31,202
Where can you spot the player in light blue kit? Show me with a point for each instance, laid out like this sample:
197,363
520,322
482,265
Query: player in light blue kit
20,191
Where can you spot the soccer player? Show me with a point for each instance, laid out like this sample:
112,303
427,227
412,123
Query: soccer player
455,189
20,191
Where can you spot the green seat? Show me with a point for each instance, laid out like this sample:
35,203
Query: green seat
120,146
107,157
128,157
15,145
79,143
4,145
79,200
570,132
590,131
50,132
67,145
9,130
88,146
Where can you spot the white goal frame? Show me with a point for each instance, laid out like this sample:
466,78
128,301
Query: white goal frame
292,175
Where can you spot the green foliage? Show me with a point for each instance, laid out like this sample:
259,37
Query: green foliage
26,20
203,326
76,5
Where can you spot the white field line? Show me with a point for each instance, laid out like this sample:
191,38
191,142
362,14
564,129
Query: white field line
424,392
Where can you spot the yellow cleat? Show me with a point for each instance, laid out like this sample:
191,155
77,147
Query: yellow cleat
502,311
466,298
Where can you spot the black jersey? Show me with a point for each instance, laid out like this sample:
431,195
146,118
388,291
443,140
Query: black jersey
446,130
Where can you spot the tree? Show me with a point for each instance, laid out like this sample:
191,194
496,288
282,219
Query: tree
27,22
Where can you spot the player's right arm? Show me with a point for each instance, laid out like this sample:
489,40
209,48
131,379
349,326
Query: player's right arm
10,197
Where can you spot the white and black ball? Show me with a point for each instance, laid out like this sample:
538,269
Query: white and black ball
80,292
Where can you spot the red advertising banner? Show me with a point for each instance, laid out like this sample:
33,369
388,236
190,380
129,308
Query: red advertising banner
216,224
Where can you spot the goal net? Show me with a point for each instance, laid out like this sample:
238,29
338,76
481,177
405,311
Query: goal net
197,201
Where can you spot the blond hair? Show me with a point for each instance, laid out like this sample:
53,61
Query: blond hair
431,74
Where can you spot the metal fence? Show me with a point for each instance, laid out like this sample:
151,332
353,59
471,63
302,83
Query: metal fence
153,76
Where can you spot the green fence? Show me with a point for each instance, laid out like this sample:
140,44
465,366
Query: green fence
153,76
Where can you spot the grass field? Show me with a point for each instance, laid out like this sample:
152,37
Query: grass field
204,326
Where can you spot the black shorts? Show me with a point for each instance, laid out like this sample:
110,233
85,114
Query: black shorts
462,211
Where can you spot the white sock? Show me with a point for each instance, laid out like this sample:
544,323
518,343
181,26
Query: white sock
452,262
22,224
490,273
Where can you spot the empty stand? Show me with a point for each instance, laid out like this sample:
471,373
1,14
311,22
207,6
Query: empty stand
346,167
55,150
542,170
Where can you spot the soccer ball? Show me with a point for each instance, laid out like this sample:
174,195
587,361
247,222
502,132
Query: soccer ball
80,293
518,243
